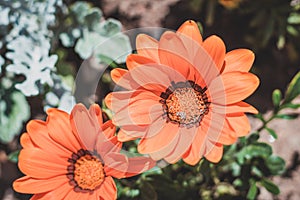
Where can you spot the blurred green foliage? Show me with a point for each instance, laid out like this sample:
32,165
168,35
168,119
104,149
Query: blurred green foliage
35,63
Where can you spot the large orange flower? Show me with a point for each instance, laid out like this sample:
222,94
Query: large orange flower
74,157
183,96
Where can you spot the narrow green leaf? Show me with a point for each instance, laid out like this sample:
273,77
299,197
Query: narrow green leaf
287,116
276,97
272,132
270,186
13,156
281,42
275,164
294,18
260,116
258,149
252,192
252,138
256,171
290,105
200,27
292,30
293,89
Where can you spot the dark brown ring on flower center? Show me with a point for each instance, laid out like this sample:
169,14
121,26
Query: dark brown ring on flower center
86,171
185,103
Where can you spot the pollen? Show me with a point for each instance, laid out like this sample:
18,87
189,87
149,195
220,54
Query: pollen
185,103
86,171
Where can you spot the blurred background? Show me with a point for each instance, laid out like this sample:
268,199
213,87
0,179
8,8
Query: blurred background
43,44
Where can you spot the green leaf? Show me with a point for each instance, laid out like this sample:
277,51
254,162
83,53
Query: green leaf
270,186
258,149
276,97
256,171
238,182
275,164
13,156
292,30
92,19
280,42
252,138
287,116
116,47
80,10
294,18
66,39
290,105
11,123
260,116
109,27
272,132
252,192
293,89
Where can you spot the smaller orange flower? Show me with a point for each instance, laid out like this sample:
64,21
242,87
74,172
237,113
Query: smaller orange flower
230,4
74,157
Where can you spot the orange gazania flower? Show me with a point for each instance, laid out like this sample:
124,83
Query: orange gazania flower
183,95
74,157
230,4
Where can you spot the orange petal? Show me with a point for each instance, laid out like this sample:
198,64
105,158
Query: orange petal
84,126
116,165
77,195
240,124
26,142
39,164
197,148
219,129
162,153
187,136
215,47
238,107
190,29
117,74
108,129
127,134
38,132
122,78
108,100
138,165
136,60
108,190
106,144
236,87
214,152
58,193
191,37
238,60
139,113
96,113
174,54
31,185
123,137
155,77
60,131
205,68
159,140
147,46
117,101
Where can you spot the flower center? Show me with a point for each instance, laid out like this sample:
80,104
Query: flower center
86,171
185,103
